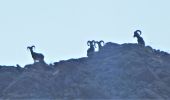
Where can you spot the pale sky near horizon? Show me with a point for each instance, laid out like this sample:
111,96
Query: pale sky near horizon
60,28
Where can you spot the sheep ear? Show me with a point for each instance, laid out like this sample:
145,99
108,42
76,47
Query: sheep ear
28,48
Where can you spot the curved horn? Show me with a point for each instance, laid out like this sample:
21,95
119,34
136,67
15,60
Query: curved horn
88,43
140,32
96,42
101,41
93,42
28,47
33,46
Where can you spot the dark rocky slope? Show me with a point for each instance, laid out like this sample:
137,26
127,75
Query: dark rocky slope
126,71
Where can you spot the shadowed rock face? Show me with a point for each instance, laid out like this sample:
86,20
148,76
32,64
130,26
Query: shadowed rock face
126,71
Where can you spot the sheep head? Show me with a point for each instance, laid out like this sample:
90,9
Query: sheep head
31,47
99,42
91,43
137,33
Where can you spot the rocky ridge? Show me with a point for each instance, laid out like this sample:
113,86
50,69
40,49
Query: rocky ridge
117,71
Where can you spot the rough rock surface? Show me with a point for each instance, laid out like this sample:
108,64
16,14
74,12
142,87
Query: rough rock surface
126,71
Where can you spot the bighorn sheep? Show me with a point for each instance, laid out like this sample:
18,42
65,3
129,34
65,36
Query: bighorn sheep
99,43
137,34
37,57
91,50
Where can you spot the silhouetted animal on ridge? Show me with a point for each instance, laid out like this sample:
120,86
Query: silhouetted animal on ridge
140,40
91,50
99,43
37,57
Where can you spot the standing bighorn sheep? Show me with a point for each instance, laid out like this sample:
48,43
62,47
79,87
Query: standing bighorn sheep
37,57
137,34
99,43
91,50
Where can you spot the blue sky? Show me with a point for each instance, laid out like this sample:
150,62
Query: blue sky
60,28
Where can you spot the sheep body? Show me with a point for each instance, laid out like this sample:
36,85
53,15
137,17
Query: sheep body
37,57
139,38
91,50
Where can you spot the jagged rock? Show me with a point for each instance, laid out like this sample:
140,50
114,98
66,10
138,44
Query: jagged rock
126,71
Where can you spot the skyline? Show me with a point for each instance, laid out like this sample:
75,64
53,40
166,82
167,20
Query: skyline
60,29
